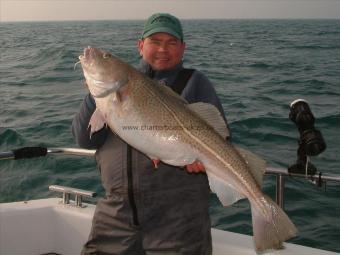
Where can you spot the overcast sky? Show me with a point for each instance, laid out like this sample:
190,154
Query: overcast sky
40,10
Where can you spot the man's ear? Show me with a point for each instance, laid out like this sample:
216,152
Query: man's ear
184,46
140,45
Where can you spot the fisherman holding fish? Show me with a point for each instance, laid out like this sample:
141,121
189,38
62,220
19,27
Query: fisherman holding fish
150,207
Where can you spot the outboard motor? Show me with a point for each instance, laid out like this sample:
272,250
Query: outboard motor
311,142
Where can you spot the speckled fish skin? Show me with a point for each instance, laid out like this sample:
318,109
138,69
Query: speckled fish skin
157,122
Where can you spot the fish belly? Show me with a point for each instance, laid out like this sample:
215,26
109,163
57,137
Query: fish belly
157,139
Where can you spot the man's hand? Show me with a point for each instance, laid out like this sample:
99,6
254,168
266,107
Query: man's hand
195,167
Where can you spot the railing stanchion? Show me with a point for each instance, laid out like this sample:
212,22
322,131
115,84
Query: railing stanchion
280,190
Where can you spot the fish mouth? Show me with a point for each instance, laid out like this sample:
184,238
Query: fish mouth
88,58
86,61
86,53
82,58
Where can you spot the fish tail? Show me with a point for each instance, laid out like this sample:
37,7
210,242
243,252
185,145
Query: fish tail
271,225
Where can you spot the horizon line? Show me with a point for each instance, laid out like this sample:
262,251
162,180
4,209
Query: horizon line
182,19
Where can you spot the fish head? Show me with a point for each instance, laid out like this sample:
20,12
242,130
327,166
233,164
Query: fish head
103,72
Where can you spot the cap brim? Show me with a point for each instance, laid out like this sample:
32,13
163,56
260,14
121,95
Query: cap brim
162,30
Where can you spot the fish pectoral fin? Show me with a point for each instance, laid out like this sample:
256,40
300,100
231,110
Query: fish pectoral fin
224,191
97,121
212,116
257,165
102,89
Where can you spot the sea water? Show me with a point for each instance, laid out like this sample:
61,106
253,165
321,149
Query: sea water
258,68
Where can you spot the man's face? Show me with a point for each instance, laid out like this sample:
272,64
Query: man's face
161,50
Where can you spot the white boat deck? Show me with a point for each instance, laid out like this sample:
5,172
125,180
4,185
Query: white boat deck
42,226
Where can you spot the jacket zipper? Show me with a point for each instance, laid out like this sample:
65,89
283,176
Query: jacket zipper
130,186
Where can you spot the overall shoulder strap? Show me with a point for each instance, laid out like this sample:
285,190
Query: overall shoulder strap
182,79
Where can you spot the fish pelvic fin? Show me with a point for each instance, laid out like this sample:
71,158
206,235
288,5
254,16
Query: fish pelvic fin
97,122
271,225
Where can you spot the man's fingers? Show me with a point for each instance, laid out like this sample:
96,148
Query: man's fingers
195,167
199,167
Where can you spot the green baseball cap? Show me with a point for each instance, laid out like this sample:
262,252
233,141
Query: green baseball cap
163,22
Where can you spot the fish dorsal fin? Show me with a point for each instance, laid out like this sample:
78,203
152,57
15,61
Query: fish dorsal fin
169,92
224,191
212,116
256,164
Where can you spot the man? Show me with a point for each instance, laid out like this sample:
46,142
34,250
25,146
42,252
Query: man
148,211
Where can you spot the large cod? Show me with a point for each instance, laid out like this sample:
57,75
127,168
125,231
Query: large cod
156,121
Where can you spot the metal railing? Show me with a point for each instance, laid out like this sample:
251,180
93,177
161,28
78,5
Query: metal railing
281,174
33,152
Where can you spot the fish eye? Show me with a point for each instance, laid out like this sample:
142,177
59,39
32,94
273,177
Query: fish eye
107,55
